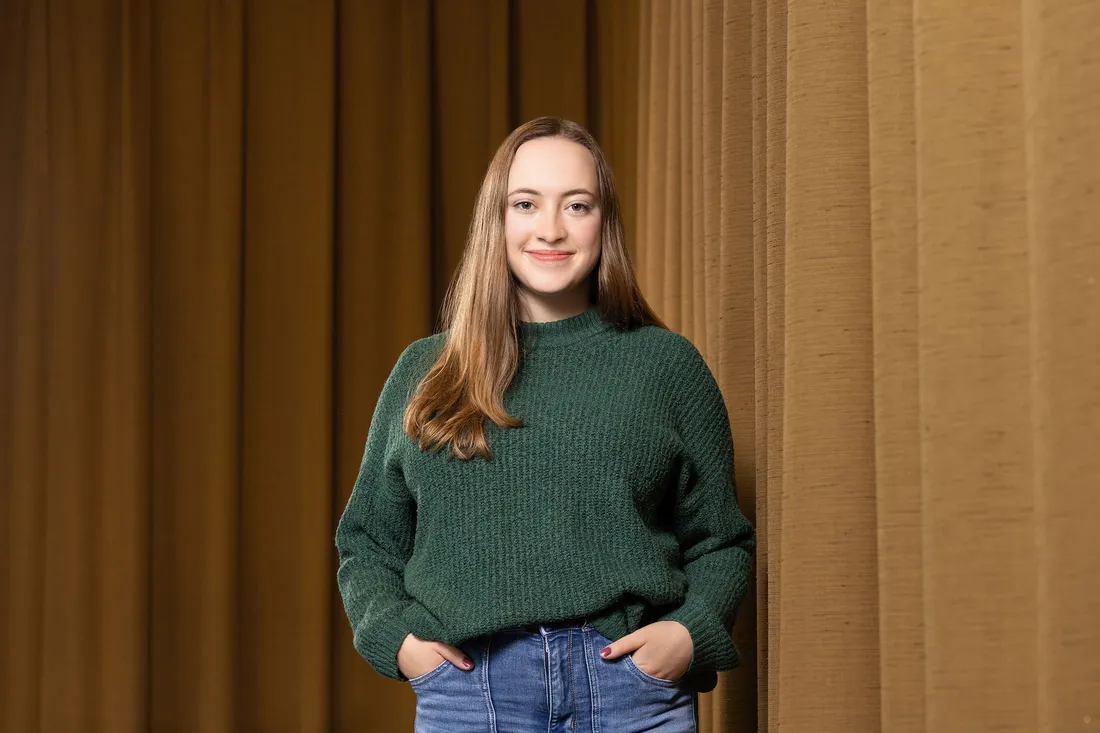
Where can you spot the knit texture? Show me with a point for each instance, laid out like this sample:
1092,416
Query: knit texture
614,502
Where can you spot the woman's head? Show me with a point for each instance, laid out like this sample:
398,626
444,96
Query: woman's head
549,188
551,156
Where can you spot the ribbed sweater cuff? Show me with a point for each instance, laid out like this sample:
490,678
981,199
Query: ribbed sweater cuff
379,647
712,647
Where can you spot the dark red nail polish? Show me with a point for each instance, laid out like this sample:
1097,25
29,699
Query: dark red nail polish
605,651
467,663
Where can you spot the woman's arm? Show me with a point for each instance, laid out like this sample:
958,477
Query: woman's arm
374,536
716,540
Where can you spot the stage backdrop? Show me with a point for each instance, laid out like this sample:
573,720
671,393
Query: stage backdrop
220,223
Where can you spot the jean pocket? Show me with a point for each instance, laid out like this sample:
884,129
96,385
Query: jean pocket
421,679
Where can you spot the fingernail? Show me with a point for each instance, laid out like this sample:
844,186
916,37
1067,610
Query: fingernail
467,663
605,651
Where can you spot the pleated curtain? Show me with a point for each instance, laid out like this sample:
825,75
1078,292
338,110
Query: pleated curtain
220,222
878,221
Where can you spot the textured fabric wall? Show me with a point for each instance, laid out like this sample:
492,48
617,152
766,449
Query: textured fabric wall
877,220
220,223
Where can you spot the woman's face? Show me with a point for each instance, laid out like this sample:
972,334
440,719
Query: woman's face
552,220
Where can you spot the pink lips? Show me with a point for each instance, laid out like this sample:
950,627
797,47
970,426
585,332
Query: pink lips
548,255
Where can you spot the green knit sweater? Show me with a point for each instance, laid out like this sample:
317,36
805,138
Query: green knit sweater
615,502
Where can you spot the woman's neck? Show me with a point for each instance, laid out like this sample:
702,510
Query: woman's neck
540,309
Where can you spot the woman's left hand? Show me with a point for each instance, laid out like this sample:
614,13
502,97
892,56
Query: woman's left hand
665,646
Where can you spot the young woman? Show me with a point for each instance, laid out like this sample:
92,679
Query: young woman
544,533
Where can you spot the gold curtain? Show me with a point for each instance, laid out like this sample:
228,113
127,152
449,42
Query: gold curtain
221,222
878,222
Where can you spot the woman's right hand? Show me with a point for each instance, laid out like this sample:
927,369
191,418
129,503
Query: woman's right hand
417,656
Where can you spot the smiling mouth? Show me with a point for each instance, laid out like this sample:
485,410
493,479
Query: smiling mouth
549,255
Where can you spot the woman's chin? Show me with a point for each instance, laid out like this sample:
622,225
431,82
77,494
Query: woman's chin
553,289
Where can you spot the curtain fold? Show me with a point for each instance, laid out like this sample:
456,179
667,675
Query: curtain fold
1061,71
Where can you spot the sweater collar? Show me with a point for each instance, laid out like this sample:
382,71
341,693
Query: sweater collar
554,334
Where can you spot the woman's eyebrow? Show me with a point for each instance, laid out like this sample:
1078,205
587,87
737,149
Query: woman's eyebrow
570,192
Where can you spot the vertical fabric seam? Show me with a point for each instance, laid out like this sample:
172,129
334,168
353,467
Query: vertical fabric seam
490,711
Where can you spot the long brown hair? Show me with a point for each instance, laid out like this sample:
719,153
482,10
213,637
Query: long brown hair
466,384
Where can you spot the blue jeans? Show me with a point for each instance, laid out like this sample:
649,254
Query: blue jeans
549,678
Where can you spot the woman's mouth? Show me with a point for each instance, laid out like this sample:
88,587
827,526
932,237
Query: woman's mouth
548,255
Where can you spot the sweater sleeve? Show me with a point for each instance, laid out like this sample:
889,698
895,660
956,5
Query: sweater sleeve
374,537
717,542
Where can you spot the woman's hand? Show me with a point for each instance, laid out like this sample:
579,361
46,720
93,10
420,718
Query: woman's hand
666,648
417,656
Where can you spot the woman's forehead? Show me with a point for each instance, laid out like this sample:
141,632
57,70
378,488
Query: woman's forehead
552,166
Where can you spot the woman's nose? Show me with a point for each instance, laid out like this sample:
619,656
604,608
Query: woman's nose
550,229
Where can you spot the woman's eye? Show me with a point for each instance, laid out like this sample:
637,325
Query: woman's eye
583,207
521,205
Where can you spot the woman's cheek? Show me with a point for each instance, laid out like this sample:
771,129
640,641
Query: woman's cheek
593,231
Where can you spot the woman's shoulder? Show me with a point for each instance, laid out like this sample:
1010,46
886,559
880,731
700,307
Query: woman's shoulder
663,344
426,346
675,361
419,355
413,363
